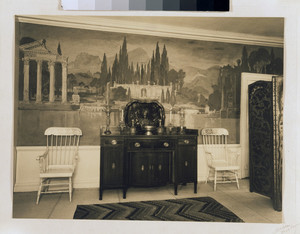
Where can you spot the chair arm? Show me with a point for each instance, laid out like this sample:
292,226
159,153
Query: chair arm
43,155
42,161
209,153
235,154
209,157
75,159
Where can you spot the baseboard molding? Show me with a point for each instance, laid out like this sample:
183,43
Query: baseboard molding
87,174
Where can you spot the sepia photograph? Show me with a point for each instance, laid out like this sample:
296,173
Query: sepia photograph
149,120
114,122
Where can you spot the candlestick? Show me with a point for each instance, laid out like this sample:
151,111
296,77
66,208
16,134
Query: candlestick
107,92
107,111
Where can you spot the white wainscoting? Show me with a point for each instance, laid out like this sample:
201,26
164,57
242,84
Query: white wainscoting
87,173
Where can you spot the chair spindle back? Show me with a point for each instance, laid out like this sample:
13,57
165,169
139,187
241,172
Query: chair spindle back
62,145
215,142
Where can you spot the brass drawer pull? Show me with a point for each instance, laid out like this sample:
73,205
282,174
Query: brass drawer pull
186,163
166,144
113,166
159,167
137,144
186,141
114,142
142,168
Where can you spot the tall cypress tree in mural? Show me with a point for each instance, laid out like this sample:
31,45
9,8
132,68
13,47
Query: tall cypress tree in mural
164,67
142,75
115,70
123,62
58,73
131,74
245,64
103,75
137,73
109,76
157,66
148,72
152,68
59,49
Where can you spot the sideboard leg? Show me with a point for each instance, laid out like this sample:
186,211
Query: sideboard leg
124,193
175,189
195,186
100,194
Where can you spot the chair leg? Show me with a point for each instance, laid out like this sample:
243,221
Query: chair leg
47,183
207,175
70,188
39,192
237,180
215,181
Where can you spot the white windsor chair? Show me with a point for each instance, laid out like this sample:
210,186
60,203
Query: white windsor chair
59,160
218,157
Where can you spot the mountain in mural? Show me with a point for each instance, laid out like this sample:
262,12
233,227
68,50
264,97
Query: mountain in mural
138,55
85,63
201,80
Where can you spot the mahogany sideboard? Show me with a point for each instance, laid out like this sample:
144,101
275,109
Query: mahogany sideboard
137,160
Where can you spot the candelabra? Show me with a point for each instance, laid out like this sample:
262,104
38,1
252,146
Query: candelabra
107,112
182,120
121,123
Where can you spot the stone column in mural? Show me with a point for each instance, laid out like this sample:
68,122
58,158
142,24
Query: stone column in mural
39,82
52,81
64,81
26,80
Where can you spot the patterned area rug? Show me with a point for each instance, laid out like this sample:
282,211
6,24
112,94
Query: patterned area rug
203,209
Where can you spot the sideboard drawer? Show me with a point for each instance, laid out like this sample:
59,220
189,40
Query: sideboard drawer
187,141
112,141
156,144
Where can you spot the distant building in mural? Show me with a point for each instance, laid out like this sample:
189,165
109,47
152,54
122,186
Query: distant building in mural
35,57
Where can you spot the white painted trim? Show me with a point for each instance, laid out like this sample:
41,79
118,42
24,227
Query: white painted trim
247,79
87,173
135,27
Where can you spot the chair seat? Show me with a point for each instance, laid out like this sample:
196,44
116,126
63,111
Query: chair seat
57,172
221,165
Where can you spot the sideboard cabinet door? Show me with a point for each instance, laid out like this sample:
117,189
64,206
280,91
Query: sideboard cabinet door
149,168
186,162
112,165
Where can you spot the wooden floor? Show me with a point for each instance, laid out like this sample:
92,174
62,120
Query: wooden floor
251,207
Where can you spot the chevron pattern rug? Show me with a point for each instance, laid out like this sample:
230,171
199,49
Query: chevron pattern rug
204,209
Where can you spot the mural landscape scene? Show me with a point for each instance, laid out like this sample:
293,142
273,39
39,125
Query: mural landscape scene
202,77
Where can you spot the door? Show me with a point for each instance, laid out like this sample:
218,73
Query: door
261,138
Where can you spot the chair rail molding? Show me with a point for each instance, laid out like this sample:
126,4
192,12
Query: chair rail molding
102,23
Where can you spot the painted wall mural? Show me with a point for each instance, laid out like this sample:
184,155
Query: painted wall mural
202,77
